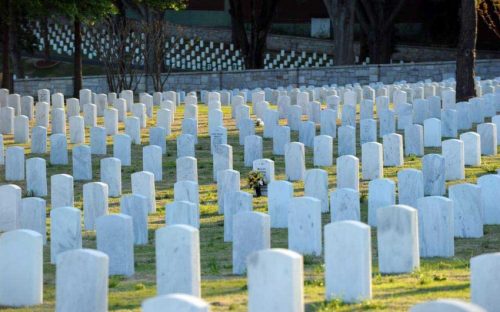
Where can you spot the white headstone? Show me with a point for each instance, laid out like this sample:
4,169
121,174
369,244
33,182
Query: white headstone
295,167
21,268
472,148
397,239
467,209
95,203
304,225
36,177
490,197
65,231
348,262
485,280
410,186
178,260
372,161
435,227
115,238
234,203
251,233
14,163
32,215
136,206
82,281
433,168
61,191
58,149
174,303
348,172
275,281
453,153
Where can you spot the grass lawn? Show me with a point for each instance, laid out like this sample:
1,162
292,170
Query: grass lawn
437,278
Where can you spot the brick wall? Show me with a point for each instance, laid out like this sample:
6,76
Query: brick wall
273,78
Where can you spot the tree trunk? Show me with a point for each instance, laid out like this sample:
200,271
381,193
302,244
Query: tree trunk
262,13
341,13
46,41
377,19
379,46
466,52
77,66
5,56
14,44
240,38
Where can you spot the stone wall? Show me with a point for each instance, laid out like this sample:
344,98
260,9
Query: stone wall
273,78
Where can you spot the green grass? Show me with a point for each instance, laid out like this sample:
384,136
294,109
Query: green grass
436,278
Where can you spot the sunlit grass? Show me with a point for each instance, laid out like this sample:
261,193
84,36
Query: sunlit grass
225,292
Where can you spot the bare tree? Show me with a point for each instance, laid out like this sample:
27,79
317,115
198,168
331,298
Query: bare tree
120,52
158,33
466,51
377,19
341,13
261,16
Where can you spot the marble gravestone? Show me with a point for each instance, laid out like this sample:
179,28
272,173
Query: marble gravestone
82,281
372,161
304,226
178,260
137,207
279,195
174,303
251,233
275,281
295,161
381,193
344,205
436,226
397,239
115,238
484,280
21,273
316,186
467,210
65,231
348,261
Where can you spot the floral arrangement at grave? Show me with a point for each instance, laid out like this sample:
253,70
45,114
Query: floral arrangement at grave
257,181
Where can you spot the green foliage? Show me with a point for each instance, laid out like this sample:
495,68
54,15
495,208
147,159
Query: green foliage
256,179
140,286
489,168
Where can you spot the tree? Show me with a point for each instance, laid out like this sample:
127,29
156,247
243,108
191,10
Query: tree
376,19
46,10
83,12
152,15
341,13
261,16
5,22
120,53
466,51
16,37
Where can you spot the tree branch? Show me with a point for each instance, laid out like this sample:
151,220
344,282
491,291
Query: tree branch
369,12
393,15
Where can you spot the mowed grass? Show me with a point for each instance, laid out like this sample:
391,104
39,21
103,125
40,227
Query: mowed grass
436,278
